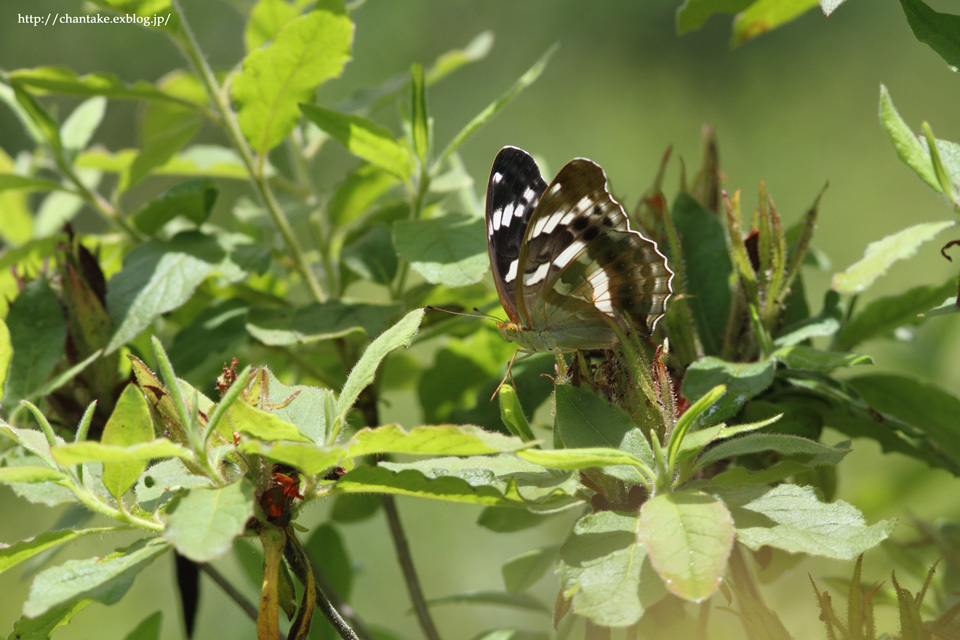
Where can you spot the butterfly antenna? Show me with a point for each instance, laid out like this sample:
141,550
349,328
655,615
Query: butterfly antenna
480,314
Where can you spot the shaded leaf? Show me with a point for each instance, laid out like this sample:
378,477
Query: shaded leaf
694,13
785,445
317,321
64,80
193,199
495,598
742,380
803,357
523,571
939,31
40,627
14,554
37,334
363,138
129,424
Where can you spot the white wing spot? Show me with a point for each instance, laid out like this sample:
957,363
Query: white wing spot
553,221
533,278
584,204
507,214
497,178
511,272
601,292
538,228
569,253
496,219
529,195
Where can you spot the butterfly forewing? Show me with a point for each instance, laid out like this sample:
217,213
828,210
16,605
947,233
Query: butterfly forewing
513,191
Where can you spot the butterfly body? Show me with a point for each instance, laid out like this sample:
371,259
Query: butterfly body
565,262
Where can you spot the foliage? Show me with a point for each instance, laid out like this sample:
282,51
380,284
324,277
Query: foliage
682,455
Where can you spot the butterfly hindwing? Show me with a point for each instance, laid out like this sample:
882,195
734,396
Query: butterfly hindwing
513,191
578,264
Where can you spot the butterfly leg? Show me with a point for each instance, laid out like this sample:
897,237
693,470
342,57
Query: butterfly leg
526,354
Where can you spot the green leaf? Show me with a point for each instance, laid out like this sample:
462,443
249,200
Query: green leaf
193,199
40,627
399,335
885,314
104,579
309,408
410,482
82,123
939,31
363,138
880,255
793,518
310,458
572,459
349,508
694,13
824,323
523,571
93,451
606,571
829,6
742,380
6,356
803,357
504,520
306,52
784,445
249,420
14,554
18,218
765,15
708,269
148,629
372,256
447,440
447,63
908,147
448,250
266,19
163,480
529,77
12,181
161,275
32,474
317,321
156,153
357,193
41,121
695,442
688,536
512,413
37,335
64,80
693,412
931,409
129,424
739,477
419,118
203,522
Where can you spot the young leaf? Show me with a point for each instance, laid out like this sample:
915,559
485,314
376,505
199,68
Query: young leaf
311,459
523,571
695,442
793,518
266,19
448,250
363,138
64,80
940,31
203,522
880,255
606,570
702,405
318,321
692,14
511,413
306,52
766,15
461,440
782,444
572,459
82,123
742,380
688,536
161,275
32,474
129,424
37,334
163,480
104,579
908,147
252,421
399,335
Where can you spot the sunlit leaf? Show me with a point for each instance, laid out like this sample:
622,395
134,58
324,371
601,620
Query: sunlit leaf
203,522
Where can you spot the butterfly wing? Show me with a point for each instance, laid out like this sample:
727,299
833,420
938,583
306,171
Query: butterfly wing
514,188
580,262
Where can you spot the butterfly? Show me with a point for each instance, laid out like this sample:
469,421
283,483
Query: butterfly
565,261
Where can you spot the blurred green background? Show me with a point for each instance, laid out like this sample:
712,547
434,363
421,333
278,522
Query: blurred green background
795,108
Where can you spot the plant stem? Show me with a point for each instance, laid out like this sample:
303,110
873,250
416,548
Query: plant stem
409,572
229,589
191,49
